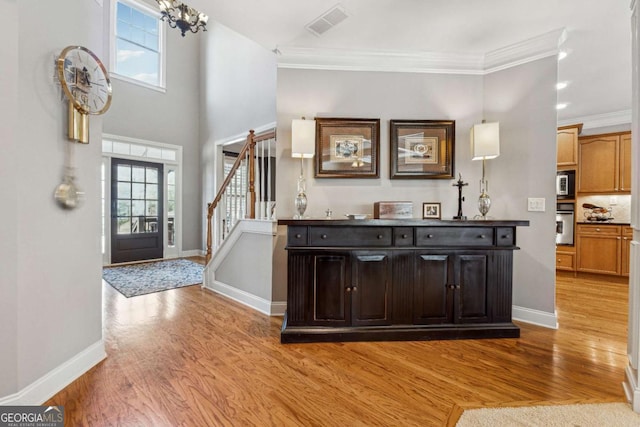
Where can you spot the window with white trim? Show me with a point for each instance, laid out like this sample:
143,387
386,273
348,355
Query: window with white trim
138,40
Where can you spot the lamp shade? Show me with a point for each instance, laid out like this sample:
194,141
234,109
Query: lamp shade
485,141
303,138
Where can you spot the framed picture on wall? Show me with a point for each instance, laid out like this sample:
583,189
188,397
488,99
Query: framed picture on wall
431,210
347,148
422,149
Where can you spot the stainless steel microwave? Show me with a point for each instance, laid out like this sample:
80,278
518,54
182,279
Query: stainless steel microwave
566,184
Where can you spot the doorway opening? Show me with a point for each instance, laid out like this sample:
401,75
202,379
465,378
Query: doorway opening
141,200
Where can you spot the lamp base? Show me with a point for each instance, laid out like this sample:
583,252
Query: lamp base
484,204
301,205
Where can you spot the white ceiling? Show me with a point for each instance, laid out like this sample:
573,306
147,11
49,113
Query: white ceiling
597,68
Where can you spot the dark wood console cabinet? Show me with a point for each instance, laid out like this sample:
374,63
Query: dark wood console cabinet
386,280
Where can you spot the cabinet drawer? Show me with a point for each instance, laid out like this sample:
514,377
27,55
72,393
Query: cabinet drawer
297,236
565,261
350,236
454,236
403,236
607,230
505,236
627,232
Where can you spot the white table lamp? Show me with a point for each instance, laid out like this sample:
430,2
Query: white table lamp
485,144
303,146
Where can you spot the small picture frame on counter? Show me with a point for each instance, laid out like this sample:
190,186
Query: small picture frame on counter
431,210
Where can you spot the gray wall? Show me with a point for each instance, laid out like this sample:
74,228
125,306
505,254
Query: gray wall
239,87
9,194
248,274
171,118
50,308
523,100
239,84
314,93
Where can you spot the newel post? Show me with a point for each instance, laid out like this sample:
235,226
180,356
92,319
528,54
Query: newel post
252,175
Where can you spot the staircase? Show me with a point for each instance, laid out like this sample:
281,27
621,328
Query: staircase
241,229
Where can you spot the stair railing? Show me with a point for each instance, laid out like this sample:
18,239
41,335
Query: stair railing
241,194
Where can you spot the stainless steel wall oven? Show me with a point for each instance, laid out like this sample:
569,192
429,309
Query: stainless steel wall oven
564,224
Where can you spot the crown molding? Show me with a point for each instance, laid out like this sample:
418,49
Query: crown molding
422,62
614,118
525,51
379,60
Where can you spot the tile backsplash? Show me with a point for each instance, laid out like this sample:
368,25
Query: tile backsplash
620,211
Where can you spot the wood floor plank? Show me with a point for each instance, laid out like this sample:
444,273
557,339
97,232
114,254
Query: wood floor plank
190,357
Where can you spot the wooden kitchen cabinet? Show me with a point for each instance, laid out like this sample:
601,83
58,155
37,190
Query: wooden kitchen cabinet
627,237
565,260
604,163
567,144
599,248
372,280
625,162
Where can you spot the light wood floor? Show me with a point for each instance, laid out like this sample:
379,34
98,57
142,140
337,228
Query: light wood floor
190,357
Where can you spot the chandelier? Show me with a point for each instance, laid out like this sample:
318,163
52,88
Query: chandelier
182,16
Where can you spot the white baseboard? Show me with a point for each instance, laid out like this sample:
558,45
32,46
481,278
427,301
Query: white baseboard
631,390
193,252
55,380
278,308
257,303
535,317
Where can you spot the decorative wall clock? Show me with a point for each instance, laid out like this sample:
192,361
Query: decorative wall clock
85,82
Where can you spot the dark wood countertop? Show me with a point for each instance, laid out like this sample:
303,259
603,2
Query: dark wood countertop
405,222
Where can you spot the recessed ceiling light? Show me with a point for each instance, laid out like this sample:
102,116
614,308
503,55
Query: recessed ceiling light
561,85
561,55
561,106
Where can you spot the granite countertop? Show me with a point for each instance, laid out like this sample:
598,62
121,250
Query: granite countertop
612,222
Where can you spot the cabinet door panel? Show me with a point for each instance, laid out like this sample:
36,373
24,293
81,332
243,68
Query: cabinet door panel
431,294
599,254
567,147
625,162
598,164
329,303
370,288
472,305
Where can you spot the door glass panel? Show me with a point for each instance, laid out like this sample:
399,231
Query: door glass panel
171,208
137,208
151,224
138,174
152,208
124,173
135,225
124,190
152,175
124,208
124,225
137,191
152,192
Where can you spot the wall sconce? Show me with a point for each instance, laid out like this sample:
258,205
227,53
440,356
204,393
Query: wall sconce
184,17
485,144
303,146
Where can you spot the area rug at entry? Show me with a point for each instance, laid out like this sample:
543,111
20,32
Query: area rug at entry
140,279
584,415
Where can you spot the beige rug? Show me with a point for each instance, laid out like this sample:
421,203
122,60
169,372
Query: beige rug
617,414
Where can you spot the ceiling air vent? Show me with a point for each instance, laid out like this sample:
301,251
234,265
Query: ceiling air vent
327,20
